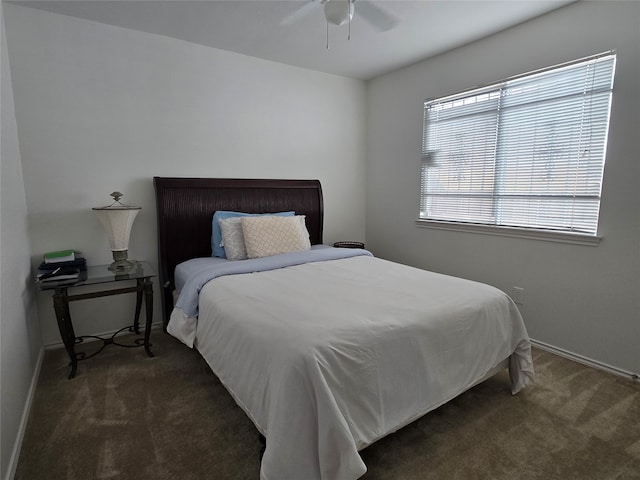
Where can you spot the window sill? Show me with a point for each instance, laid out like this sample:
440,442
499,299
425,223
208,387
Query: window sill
545,235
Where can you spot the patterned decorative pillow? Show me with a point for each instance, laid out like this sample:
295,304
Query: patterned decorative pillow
266,236
232,238
217,250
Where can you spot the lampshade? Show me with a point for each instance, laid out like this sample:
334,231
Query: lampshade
117,220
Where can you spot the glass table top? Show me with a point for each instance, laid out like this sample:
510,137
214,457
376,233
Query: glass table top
95,274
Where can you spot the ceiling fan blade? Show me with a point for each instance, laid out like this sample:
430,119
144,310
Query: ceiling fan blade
376,16
300,12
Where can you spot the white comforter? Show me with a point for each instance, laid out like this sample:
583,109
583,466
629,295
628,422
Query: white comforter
327,357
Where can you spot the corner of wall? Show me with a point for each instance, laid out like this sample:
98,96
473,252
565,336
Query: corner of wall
21,349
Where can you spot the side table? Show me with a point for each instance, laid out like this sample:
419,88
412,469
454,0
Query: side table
141,273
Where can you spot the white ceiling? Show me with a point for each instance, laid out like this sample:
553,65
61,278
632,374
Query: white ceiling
254,27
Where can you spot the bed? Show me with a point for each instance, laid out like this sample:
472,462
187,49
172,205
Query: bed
326,349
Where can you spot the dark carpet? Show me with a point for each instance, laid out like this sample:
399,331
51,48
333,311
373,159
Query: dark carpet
127,416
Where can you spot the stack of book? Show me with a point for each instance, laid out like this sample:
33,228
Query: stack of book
63,265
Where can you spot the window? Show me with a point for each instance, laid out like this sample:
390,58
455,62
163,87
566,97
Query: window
525,153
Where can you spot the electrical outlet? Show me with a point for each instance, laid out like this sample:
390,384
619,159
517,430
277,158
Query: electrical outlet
517,295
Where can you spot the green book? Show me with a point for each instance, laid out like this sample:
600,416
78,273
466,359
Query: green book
61,256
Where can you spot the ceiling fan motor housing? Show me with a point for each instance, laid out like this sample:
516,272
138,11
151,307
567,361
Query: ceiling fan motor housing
338,12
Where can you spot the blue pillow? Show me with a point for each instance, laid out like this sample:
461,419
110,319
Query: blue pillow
217,250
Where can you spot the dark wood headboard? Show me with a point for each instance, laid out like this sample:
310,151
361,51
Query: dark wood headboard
185,208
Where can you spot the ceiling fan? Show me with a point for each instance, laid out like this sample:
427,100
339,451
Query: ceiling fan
339,12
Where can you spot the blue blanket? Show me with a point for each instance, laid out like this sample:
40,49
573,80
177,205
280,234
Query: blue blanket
188,297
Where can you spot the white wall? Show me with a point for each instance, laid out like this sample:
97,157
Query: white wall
20,343
582,299
101,108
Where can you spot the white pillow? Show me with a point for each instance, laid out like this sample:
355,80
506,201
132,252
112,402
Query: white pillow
270,235
232,238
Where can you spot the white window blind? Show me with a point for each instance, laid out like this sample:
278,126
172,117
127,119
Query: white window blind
527,152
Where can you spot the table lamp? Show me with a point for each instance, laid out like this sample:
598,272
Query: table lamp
117,220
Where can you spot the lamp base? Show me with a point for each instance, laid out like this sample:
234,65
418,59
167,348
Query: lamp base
121,264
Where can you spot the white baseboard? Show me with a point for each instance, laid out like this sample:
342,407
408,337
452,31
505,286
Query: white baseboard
586,361
15,454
